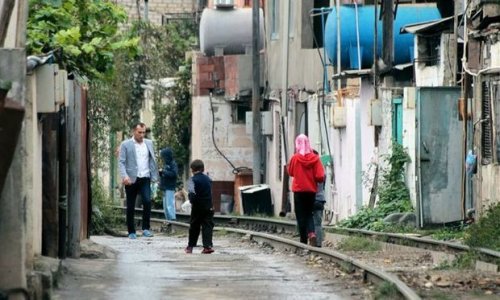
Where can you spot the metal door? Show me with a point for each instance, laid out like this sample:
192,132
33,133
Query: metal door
439,156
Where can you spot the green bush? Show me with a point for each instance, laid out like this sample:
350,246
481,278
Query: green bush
394,196
104,217
486,232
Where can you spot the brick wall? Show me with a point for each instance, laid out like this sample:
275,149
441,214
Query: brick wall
157,8
208,73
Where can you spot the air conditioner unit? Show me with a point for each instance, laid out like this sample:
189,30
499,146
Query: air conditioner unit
224,3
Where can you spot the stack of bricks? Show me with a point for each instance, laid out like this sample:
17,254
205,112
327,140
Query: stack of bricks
208,74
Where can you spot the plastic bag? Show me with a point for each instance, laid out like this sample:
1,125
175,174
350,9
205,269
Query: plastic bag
186,207
470,163
154,190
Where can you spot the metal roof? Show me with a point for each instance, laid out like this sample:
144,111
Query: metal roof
367,72
428,27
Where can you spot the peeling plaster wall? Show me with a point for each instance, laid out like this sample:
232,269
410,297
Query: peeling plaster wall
439,74
409,141
353,151
231,138
274,169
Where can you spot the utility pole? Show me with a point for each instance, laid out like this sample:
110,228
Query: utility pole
388,36
256,92
375,55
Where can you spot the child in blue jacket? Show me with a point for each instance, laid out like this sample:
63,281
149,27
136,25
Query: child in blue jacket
168,180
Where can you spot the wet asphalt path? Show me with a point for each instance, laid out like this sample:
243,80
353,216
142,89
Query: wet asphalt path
158,268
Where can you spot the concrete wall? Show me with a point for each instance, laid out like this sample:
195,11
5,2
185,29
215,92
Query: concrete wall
409,141
14,197
486,180
231,138
33,170
354,153
441,73
286,60
304,65
274,157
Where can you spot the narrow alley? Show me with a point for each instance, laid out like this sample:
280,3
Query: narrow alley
158,268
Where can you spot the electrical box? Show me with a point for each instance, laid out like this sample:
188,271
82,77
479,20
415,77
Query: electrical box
266,122
46,88
338,116
248,122
51,88
376,112
61,82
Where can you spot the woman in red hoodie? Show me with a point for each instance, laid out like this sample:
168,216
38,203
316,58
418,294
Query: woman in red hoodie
306,170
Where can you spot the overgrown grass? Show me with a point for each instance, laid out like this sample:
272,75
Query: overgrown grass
386,291
104,217
465,261
439,295
486,232
448,234
357,243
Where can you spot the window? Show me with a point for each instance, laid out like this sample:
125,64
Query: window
275,19
239,110
428,49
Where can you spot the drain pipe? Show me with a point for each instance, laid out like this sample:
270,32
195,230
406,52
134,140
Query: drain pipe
339,62
357,34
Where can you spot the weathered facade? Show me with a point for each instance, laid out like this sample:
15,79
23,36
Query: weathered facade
483,67
45,207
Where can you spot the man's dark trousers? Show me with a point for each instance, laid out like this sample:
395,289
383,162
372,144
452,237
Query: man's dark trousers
141,186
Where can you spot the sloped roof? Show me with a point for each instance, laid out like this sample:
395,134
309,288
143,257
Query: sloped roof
428,27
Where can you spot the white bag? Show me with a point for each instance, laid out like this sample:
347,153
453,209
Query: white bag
186,207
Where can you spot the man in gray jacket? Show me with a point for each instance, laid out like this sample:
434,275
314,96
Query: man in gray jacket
137,169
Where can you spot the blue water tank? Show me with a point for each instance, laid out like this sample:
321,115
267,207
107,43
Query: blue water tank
403,43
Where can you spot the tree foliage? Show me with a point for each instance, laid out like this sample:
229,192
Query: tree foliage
164,51
84,34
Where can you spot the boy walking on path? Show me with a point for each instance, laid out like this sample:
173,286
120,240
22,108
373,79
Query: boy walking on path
202,212
168,180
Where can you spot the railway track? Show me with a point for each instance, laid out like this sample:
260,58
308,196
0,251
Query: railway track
278,233
347,264
289,227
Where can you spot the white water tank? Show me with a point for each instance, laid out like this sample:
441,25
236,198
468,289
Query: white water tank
229,31
224,3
